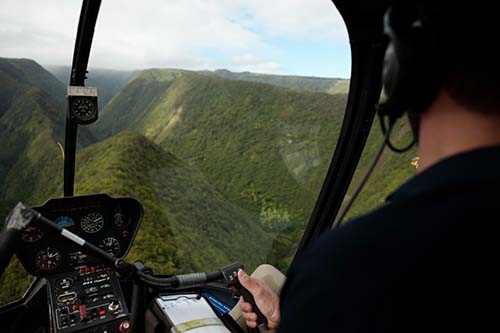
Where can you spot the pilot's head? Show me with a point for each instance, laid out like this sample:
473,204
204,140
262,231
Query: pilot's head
442,45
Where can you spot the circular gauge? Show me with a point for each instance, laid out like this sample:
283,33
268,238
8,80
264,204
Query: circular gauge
48,259
119,220
65,283
92,223
65,222
110,245
32,234
83,108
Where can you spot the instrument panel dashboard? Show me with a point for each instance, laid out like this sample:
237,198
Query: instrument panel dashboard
110,223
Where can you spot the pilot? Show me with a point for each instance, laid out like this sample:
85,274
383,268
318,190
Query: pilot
426,260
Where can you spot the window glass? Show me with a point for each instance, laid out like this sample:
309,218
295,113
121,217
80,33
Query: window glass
220,117
33,35
392,170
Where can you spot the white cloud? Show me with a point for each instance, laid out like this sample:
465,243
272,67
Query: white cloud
295,18
252,63
192,34
43,30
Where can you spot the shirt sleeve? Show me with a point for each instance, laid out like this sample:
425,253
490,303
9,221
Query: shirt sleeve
353,279
313,299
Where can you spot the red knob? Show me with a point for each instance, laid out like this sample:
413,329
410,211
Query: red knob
83,312
124,326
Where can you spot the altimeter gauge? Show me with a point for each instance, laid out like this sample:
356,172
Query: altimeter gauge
48,259
92,222
110,245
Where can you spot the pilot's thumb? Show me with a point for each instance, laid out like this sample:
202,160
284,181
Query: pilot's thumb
247,282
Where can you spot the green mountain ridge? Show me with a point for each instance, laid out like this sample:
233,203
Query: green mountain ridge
265,147
31,122
138,95
303,83
109,81
17,75
129,164
32,115
255,126
30,136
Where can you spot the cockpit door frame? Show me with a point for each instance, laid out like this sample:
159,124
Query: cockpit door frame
81,53
363,20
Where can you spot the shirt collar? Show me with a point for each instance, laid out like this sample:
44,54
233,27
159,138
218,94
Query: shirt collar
472,167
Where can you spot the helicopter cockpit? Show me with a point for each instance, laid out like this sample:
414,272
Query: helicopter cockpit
137,181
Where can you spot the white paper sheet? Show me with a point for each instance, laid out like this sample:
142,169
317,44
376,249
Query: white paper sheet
190,314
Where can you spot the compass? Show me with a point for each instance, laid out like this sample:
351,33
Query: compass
82,103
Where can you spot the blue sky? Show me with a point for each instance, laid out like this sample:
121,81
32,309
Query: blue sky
295,37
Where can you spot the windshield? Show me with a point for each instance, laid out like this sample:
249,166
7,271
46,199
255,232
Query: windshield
220,117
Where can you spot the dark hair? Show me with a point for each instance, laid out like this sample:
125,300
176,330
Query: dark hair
464,38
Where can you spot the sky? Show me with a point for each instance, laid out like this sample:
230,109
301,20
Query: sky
290,37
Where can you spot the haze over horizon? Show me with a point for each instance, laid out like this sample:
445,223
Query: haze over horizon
280,37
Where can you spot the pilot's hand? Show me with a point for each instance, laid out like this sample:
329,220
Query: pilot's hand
265,299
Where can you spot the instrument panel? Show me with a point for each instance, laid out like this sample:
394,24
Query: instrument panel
110,223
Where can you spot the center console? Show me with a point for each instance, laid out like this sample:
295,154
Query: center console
88,300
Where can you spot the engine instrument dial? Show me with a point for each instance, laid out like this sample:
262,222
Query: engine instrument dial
110,245
92,223
48,259
32,234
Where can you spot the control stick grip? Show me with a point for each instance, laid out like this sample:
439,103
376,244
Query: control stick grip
229,275
248,297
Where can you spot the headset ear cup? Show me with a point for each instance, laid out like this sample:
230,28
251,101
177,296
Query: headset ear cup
391,73
411,76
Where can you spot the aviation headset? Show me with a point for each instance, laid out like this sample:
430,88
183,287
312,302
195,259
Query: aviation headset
410,73
411,78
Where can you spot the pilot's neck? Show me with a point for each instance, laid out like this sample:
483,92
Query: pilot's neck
448,128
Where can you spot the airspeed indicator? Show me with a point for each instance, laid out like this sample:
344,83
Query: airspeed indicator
92,223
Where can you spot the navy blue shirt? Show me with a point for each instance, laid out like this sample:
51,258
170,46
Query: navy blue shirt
425,261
